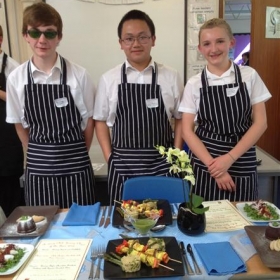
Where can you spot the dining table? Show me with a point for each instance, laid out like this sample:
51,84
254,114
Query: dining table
101,236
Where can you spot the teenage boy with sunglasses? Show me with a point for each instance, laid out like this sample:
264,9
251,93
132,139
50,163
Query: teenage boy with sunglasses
11,152
50,101
137,100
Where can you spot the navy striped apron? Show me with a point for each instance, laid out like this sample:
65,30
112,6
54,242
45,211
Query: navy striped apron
58,170
141,124
223,118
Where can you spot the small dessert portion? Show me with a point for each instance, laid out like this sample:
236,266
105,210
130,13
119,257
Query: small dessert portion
275,245
25,224
272,231
38,219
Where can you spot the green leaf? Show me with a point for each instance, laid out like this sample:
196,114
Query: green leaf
196,200
200,210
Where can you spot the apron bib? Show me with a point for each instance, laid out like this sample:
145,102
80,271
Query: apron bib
141,123
58,170
224,116
11,151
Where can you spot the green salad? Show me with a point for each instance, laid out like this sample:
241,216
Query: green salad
10,256
261,210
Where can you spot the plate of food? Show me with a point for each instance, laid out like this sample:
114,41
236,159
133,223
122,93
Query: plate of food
13,256
160,258
143,207
259,211
28,221
265,247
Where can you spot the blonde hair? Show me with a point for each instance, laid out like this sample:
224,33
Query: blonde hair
216,22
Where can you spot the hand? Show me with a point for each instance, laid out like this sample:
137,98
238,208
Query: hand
219,165
225,182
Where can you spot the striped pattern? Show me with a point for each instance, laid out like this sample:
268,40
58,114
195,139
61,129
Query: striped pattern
222,122
136,131
58,169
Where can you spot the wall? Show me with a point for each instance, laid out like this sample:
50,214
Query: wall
90,33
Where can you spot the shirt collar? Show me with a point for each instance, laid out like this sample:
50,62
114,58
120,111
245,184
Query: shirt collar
57,65
225,74
129,66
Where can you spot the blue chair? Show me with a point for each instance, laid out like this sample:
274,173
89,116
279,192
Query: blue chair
155,187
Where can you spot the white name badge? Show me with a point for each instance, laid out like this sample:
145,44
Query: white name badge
152,103
61,102
231,91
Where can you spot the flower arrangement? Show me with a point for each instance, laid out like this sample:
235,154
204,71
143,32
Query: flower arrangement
180,163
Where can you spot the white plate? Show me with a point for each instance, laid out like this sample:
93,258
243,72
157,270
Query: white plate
240,207
28,251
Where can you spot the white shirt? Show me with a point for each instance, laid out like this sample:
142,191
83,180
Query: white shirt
81,87
257,90
11,64
107,91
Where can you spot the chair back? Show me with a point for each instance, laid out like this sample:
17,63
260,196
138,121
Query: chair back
155,187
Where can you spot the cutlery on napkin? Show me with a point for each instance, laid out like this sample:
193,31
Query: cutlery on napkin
219,258
81,215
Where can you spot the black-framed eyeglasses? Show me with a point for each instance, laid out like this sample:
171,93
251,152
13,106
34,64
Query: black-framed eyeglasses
35,34
141,40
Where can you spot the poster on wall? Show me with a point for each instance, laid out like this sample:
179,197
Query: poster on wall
197,13
272,29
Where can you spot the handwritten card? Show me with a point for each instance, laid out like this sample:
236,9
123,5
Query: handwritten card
55,260
223,216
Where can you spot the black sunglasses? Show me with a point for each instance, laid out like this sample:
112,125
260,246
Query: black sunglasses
35,34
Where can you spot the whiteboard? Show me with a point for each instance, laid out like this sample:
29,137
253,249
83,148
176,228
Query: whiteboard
90,33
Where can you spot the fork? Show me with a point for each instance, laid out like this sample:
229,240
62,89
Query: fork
101,251
93,256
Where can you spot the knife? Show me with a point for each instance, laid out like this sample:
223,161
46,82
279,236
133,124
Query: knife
196,267
107,222
187,264
102,216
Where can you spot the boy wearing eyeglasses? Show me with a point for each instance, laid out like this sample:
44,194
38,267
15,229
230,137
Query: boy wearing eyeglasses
11,152
50,101
137,101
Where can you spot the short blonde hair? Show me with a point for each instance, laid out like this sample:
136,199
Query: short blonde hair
216,22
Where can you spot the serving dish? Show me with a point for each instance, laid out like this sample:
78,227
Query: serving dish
261,243
163,204
9,228
112,271
240,207
28,251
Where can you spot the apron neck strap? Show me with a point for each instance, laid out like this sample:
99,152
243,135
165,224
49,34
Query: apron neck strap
63,73
237,74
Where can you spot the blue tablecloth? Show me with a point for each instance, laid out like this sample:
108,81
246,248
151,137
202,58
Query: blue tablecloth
239,240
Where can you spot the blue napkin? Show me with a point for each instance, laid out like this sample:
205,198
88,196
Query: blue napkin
79,215
219,258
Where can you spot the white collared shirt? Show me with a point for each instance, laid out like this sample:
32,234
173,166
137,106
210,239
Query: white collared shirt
257,90
11,64
81,87
107,91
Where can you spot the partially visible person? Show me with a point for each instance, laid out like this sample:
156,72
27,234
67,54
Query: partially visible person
227,102
50,101
245,59
11,151
137,100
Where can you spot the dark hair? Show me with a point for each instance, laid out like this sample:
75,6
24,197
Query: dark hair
41,14
1,31
136,14
246,54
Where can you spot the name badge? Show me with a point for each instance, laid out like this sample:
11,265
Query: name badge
231,91
61,102
152,103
